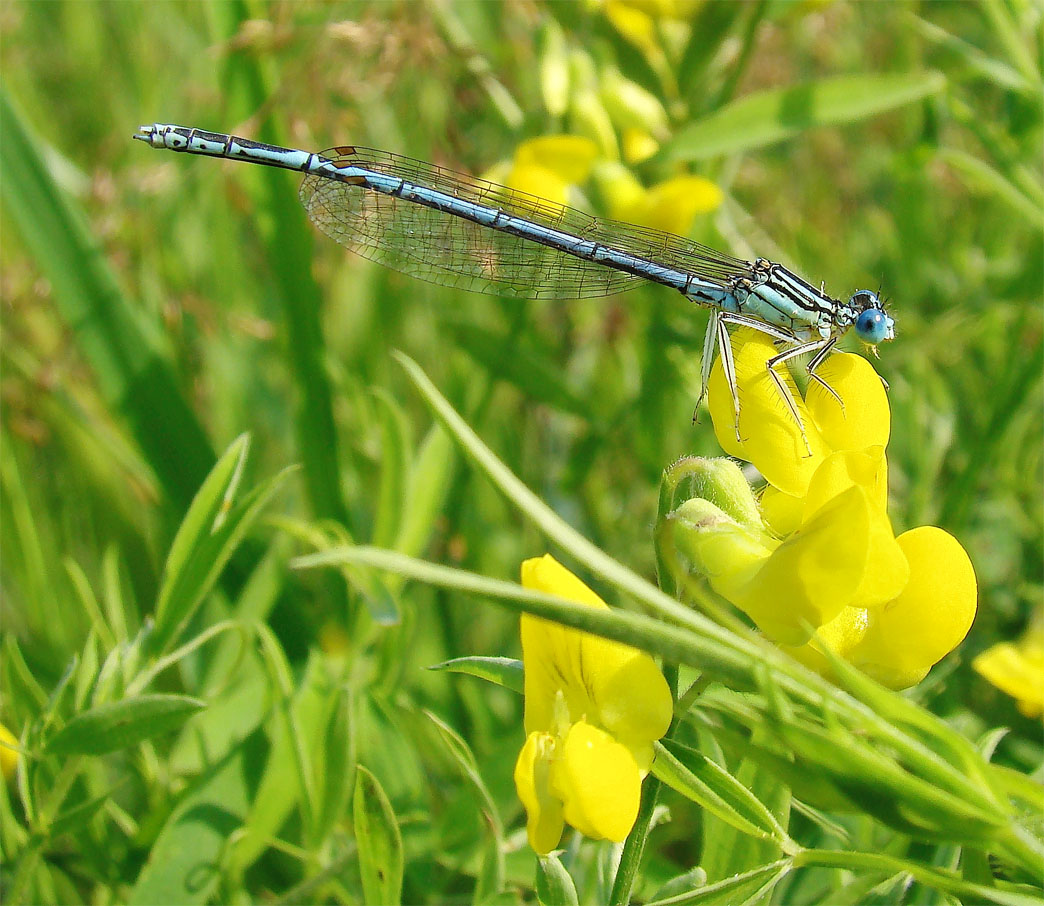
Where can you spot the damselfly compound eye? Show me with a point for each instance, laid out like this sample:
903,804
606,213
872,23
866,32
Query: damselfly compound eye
872,326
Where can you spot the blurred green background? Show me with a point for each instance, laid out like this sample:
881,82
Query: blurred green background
157,306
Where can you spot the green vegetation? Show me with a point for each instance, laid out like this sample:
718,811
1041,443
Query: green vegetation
202,404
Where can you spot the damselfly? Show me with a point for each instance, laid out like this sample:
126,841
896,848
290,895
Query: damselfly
456,230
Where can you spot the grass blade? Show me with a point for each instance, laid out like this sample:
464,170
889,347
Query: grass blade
770,116
134,378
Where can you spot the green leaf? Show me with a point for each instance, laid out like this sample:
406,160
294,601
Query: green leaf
88,671
554,885
770,116
747,887
124,353
728,851
685,883
338,754
503,671
491,879
985,67
395,468
715,789
429,483
378,839
119,725
186,862
206,539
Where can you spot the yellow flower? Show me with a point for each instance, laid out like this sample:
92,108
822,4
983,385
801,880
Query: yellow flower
638,145
8,753
1018,668
593,709
549,166
671,205
821,568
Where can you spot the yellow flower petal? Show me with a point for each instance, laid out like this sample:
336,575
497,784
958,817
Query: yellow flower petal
929,618
638,145
839,636
769,436
544,820
539,181
887,571
546,574
613,685
865,418
8,755
568,157
840,471
599,783
1017,670
631,106
812,575
633,701
633,23
551,652
781,511
674,204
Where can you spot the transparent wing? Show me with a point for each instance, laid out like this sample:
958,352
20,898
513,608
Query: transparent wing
441,248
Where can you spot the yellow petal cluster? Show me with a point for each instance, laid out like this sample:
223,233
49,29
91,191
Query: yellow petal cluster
8,753
549,166
553,166
593,709
823,569
1017,668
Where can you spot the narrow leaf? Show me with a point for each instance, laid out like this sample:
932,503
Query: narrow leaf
76,817
207,539
503,671
200,519
119,725
395,468
682,885
136,381
738,889
429,483
770,116
378,839
554,885
339,758
716,790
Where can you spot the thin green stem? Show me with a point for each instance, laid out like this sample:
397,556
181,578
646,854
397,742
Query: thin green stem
936,878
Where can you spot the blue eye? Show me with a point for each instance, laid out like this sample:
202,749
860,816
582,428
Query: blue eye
872,326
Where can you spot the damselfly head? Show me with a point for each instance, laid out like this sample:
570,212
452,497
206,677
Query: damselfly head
872,325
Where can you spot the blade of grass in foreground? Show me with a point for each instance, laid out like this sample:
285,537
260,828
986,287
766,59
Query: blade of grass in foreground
135,380
771,116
